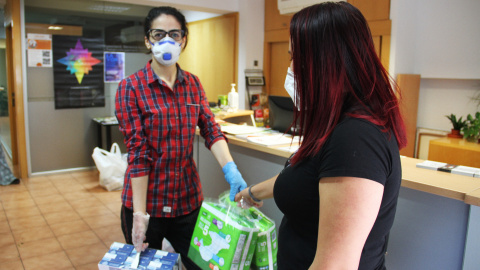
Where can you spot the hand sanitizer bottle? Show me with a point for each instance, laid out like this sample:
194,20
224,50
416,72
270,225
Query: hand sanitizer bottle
233,99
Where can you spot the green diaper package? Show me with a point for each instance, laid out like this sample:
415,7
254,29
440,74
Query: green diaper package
265,256
222,238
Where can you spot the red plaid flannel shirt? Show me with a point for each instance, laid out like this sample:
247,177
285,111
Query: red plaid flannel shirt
159,128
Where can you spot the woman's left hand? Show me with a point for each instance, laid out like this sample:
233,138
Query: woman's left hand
244,200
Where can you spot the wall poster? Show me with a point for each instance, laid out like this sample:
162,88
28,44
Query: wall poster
39,50
114,66
78,72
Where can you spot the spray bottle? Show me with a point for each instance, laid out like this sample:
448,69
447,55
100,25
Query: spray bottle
233,99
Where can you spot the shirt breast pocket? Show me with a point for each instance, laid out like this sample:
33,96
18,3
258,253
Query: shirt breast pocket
192,114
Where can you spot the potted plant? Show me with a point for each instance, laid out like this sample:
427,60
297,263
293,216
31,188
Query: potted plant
476,98
457,125
471,129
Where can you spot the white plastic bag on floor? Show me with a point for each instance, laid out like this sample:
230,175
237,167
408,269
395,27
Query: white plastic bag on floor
112,167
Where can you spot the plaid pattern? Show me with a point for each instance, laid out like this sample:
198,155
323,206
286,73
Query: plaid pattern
159,128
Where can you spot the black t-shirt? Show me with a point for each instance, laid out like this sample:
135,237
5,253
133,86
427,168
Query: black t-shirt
356,148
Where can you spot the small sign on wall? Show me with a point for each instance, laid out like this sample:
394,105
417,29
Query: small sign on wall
114,67
39,50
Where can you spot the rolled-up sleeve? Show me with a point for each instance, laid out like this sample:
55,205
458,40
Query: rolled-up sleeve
209,128
130,119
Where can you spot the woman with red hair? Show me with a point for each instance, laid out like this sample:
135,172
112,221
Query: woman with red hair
339,191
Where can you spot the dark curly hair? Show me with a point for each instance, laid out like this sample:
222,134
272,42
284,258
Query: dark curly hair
157,11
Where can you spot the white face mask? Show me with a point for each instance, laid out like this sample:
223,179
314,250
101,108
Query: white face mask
166,51
291,87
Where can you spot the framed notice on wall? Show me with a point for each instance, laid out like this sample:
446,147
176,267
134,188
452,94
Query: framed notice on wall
78,72
39,50
114,66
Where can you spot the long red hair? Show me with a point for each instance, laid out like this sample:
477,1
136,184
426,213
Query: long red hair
338,73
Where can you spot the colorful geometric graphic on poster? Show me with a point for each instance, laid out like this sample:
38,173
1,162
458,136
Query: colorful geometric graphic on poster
78,72
114,66
39,50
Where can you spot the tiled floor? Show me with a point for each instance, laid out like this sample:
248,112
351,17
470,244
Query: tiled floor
61,221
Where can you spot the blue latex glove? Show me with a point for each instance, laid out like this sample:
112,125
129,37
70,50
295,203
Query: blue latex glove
234,178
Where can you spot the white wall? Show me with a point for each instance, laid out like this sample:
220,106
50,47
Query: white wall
250,37
192,16
440,40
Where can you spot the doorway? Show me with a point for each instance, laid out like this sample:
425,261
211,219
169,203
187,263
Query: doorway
7,102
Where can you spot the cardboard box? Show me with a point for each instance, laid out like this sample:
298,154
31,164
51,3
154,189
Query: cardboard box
121,256
222,239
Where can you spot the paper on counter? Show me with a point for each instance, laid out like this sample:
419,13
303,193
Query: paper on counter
270,140
431,165
241,129
465,170
291,149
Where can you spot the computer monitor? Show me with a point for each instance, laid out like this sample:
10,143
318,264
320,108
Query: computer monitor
281,113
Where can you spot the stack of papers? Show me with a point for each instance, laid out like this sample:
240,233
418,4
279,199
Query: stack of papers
467,171
431,165
241,129
269,140
451,168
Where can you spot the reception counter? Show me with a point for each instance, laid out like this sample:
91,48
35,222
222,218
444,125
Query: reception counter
437,225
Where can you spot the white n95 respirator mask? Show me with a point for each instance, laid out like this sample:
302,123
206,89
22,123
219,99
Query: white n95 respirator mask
166,51
290,86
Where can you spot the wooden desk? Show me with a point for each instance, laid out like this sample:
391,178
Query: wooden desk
240,116
455,151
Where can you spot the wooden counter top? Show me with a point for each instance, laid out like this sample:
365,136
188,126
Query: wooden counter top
266,149
444,184
454,186
473,197
225,115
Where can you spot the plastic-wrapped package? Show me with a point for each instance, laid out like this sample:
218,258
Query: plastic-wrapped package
265,256
120,256
223,238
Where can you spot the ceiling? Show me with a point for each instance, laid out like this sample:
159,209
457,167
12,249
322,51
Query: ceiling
105,9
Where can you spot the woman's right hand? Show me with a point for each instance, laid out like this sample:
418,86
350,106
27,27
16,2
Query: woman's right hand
140,215
139,230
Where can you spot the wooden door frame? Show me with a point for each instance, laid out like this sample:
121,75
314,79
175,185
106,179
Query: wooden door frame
10,94
15,78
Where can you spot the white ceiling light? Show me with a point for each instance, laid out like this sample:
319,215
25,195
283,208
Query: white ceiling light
110,9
